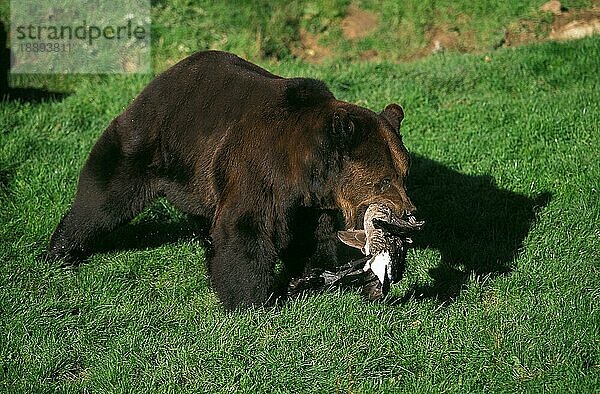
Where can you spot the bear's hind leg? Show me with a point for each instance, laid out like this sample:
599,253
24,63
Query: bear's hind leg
111,191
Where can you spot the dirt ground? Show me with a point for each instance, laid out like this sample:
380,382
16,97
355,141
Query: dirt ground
358,23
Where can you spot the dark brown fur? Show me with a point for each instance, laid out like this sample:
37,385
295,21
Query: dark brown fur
264,161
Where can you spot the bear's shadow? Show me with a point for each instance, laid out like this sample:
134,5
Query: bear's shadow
477,227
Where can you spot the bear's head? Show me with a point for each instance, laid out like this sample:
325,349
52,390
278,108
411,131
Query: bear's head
375,162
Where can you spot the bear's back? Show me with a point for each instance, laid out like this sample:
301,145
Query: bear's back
211,90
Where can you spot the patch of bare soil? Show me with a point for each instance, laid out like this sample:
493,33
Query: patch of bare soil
522,32
576,24
442,38
310,49
553,6
567,25
359,23
369,55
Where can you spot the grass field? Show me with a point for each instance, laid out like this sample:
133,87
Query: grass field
500,294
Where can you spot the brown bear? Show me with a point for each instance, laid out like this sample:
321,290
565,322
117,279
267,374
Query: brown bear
264,162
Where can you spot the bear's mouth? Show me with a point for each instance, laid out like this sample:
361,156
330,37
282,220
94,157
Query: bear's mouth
397,225
360,217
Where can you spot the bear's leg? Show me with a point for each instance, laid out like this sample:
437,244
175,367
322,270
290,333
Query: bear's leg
297,256
242,261
325,252
315,247
110,192
314,243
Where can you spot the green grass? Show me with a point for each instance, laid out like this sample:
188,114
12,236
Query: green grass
266,29
263,29
500,295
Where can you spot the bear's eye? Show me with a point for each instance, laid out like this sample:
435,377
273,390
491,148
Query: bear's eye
385,184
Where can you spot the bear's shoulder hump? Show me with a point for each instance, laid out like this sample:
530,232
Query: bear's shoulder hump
306,92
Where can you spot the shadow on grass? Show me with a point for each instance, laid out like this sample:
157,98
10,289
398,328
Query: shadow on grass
29,95
5,179
477,227
158,226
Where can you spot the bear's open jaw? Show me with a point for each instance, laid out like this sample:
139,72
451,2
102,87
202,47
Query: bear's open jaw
399,227
396,226
360,217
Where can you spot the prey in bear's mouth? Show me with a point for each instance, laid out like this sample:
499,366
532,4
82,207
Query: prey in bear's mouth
383,239
392,223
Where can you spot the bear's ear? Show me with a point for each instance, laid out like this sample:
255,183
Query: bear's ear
394,114
343,127
354,238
